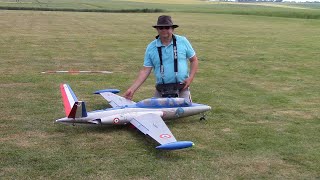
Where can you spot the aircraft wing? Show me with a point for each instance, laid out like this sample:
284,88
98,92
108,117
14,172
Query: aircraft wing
154,126
113,99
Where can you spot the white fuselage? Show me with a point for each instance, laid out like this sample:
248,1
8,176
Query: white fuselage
122,116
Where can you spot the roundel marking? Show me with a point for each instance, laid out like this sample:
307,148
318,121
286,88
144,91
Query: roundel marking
165,136
116,120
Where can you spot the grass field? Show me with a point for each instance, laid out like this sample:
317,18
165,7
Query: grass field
260,74
289,10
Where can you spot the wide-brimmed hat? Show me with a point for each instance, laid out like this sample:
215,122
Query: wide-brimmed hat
165,21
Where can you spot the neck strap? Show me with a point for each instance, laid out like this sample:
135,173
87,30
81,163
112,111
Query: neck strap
175,58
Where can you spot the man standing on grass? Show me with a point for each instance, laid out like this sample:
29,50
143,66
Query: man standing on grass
168,55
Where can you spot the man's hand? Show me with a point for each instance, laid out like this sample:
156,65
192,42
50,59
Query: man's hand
186,83
143,75
193,71
128,94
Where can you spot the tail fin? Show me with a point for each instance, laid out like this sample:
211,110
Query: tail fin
72,107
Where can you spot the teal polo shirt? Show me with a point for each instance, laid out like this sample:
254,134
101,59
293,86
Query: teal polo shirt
185,52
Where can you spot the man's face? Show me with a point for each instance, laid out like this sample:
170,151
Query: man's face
165,31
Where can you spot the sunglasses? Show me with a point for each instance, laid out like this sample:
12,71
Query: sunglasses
164,27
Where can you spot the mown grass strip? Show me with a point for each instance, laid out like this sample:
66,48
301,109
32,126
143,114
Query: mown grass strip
145,10
285,10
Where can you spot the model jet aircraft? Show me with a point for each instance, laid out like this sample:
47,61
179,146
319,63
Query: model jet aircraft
146,115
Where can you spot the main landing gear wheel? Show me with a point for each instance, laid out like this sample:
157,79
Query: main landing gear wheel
203,117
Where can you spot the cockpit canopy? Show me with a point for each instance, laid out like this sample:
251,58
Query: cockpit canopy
163,103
